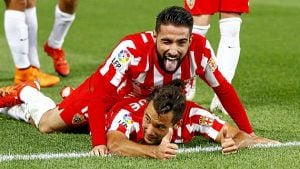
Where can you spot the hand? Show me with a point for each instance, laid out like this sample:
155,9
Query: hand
100,150
166,149
227,143
263,140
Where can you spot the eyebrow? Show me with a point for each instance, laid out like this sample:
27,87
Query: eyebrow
147,115
155,122
168,39
160,125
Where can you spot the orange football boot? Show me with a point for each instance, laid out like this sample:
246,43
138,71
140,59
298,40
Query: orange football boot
61,65
24,75
10,95
32,73
45,80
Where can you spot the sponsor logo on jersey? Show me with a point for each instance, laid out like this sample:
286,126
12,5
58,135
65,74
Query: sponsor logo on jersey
123,56
190,3
212,64
206,121
126,121
121,59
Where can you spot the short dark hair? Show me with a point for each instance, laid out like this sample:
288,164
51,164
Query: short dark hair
170,98
174,15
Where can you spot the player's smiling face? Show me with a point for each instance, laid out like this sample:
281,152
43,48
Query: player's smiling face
172,43
155,126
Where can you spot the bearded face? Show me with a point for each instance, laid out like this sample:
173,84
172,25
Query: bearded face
172,43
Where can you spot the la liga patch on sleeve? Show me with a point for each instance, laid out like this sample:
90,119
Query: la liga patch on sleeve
121,59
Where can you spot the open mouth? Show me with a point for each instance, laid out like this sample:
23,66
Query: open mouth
171,58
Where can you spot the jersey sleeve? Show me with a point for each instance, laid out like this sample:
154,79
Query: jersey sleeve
224,90
108,78
122,122
118,62
97,122
205,123
199,122
104,84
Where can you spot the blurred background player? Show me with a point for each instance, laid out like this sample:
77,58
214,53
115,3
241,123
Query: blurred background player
20,24
229,22
64,17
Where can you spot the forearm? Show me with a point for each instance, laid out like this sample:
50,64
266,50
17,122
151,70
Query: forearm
102,97
128,148
233,106
97,122
122,146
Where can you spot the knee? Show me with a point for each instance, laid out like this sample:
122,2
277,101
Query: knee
45,128
19,5
68,6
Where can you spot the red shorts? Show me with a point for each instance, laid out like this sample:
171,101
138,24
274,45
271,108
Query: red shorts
199,7
75,106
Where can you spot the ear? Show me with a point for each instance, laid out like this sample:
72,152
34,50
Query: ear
178,124
154,36
191,38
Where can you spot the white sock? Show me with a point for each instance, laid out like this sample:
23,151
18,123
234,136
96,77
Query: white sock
31,20
229,46
200,30
16,31
3,110
18,112
62,24
37,103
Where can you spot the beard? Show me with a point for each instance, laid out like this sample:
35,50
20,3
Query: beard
168,62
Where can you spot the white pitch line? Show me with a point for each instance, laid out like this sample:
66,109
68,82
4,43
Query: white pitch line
196,149
218,148
45,156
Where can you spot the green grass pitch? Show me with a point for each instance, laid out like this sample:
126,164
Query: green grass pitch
267,81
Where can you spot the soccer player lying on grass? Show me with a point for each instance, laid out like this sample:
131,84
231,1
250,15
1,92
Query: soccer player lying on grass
150,128
160,121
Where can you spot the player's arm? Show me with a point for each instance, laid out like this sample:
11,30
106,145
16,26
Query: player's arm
223,89
103,85
232,139
119,144
227,96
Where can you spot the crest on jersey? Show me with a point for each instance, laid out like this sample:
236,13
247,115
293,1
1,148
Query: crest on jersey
212,64
190,3
206,121
78,119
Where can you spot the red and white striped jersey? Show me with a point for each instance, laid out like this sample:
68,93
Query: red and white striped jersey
127,117
135,62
